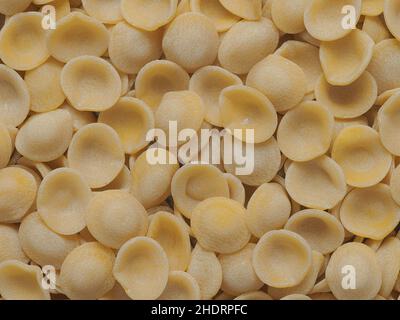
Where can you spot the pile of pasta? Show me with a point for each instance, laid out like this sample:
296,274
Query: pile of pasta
318,216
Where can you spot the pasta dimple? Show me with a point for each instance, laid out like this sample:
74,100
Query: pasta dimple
391,13
107,11
389,121
246,9
181,286
91,83
370,212
288,15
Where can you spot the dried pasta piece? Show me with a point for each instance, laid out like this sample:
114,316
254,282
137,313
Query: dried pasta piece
10,245
106,11
185,30
194,183
44,85
395,185
141,268
306,131
246,9
62,7
213,9
388,122
131,48
77,34
288,15
245,108
386,71
91,83
79,118
247,43
391,14
96,153
219,225
254,295
23,41
157,78
122,181
6,146
388,259
208,82
86,273
181,286
15,98
323,19
42,245
364,264
376,28
306,56
372,7
317,184
148,14
151,182
206,269
238,273
360,153
348,101
290,266
343,61
105,212
9,8
281,80
323,231
63,197
268,209
370,212
19,281
45,137
172,235
116,293
18,193
385,96
131,118
236,188
296,296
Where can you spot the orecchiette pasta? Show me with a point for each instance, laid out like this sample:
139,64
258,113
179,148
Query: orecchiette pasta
181,286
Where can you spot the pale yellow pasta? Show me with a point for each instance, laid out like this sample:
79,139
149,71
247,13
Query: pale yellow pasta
96,153
306,37
395,185
343,61
106,11
254,295
376,28
122,181
9,8
184,31
91,83
268,209
86,273
323,232
363,265
15,98
246,9
372,7
44,85
181,286
42,245
296,296
77,34
247,43
206,269
388,123
23,41
361,155
282,81
148,14
173,236
288,15
151,182
388,259
19,281
219,225
141,268
385,96
306,56
348,101
131,48
208,82
238,275
33,139
63,197
306,285
324,19
384,70
290,266
157,78
18,193
213,9
194,183
116,293
236,188
105,212
79,118
306,131
131,118
62,8
6,146
370,212
10,244
316,184
391,13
